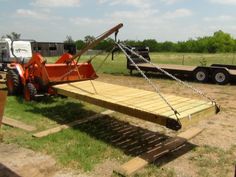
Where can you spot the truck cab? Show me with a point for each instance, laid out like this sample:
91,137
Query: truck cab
14,51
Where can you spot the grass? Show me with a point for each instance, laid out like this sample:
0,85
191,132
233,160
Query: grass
118,65
80,150
49,111
213,160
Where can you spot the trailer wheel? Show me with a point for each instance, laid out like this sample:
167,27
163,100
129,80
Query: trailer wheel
221,76
201,75
29,92
13,82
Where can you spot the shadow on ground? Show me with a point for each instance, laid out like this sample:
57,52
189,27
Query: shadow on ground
132,140
7,172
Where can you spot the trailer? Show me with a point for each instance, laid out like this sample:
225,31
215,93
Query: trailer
217,73
17,51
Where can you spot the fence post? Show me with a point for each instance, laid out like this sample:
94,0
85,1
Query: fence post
3,96
233,58
183,60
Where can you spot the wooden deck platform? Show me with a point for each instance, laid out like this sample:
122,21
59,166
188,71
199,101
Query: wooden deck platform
142,104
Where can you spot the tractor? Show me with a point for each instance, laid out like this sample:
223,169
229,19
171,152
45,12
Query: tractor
36,77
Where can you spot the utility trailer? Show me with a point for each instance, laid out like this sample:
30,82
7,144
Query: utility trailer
218,73
17,51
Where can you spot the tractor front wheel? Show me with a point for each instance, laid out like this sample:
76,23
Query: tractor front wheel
13,82
29,92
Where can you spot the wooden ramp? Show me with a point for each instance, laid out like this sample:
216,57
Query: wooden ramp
142,104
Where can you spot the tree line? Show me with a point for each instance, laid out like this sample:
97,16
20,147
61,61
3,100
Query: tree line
219,42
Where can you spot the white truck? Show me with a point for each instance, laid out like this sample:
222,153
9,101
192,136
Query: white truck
14,51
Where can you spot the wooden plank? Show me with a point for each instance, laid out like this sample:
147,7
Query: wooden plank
71,124
3,97
142,104
17,124
170,144
162,108
118,107
183,107
193,118
190,133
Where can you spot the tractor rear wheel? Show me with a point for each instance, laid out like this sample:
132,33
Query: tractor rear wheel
13,82
29,92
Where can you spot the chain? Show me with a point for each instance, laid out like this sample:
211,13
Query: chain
103,61
157,89
171,76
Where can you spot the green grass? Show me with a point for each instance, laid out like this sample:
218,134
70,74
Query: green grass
118,65
49,111
74,148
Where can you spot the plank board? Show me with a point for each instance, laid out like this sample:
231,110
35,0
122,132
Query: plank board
3,97
17,124
69,125
170,144
142,104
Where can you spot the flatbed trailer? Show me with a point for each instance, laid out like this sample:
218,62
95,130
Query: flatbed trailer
218,73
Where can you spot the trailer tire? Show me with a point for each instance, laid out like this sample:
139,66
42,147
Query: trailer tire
221,77
13,82
30,92
201,75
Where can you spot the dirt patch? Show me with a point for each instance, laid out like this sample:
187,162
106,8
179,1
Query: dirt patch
24,162
16,161
105,169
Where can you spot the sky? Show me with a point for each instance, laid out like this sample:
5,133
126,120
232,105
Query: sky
163,20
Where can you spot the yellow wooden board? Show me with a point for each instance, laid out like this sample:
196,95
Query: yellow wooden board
142,104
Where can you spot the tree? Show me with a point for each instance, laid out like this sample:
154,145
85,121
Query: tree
13,36
79,44
151,43
89,39
106,45
69,39
168,46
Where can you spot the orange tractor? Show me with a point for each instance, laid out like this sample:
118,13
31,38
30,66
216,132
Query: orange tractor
38,77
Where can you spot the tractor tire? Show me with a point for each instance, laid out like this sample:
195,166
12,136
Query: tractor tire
13,82
201,75
221,77
30,92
